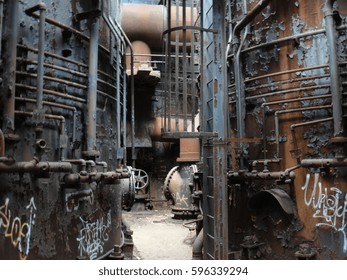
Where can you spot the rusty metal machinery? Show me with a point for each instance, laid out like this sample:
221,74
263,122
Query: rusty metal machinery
272,151
182,189
63,143
237,107
286,99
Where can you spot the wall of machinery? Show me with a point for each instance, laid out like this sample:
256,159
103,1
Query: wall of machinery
262,93
286,102
63,166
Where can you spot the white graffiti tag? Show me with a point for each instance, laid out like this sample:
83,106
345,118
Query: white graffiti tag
180,199
16,230
93,236
330,206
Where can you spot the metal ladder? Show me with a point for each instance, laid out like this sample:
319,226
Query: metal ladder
214,121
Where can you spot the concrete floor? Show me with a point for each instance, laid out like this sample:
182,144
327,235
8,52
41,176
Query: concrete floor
157,236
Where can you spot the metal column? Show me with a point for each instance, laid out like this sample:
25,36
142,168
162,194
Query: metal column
214,119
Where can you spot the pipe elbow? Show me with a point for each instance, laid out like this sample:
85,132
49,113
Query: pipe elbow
198,245
328,9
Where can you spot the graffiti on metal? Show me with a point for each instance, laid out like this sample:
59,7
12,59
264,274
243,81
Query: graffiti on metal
93,236
74,197
180,199
330,205
16,229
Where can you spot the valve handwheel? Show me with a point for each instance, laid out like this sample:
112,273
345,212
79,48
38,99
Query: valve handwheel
141,179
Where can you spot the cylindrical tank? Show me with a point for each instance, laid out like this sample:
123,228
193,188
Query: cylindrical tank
292,60
60,196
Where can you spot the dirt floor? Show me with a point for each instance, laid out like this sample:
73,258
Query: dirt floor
157,236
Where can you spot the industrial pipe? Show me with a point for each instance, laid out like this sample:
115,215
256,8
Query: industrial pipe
91,151
9,85
2,144
276,175
147,23
115,27
324,162
294,126
110,177
80,162
103,164
142,54
125,115
1,23
237,46
303,109
334,68
132,88
266,104
35,166
261,5
41,7
198,246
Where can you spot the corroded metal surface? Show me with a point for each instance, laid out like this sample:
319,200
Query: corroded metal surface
60,165
290,83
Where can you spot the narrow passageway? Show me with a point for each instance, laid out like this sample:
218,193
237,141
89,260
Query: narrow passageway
157,236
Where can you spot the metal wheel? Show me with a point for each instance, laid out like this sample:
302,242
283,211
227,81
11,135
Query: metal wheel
141,179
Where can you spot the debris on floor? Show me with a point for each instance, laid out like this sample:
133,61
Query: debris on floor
158,236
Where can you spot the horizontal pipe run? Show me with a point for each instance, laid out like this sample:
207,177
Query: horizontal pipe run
53,104
35,167
325,162
63,58
55,56
53,66
110,177
303,109
289,38
292,90
53,79
244,176
283,40
273,93
66,27
48,116
283,82
300,99
286,72
71,84
294,126
54,93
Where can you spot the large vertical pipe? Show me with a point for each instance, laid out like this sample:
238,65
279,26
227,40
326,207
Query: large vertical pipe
2,144
118,92
198,246
117,31
1,23
184,50
237,45
334,68
92,87
10,83
40,58
132,85
124,116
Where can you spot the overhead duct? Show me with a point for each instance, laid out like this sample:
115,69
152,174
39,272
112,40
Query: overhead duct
147,23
